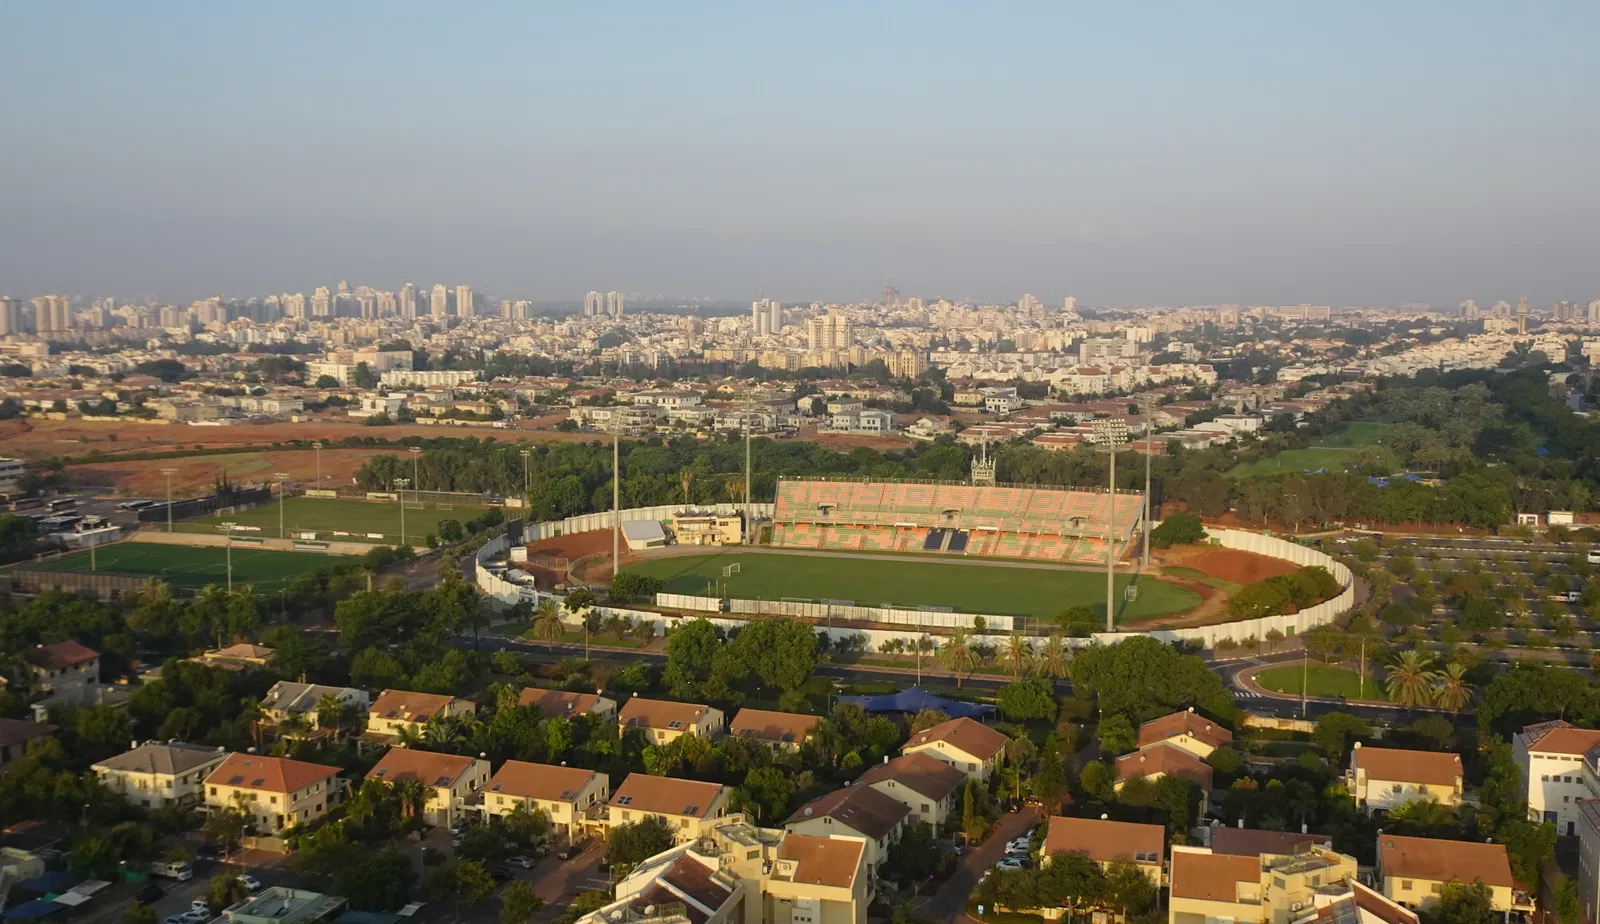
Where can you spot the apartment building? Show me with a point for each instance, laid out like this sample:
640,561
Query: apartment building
563,793
663,721
1387,778
450,780
1557,761
965,744
781,731
1207,887
560,703
15,734
158,773
688,806
275,793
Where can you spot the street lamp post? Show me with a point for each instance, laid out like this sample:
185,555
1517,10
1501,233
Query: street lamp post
402,483
281,498
1112,436
228,526
616,499
169,472
416,470
318,447
1148,407
526,455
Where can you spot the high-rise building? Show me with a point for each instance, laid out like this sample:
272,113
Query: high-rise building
1069,306
594,304
1594,311
321,303
615,302
766,316
406,304
439,302
1470,310
1027,304
1522,315
52,313
464,304
832,331
11,315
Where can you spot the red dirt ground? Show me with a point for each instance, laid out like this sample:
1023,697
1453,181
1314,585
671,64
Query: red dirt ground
594,545
1227,564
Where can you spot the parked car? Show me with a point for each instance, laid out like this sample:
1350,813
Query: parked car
251,883
573,848
149,894
1010,864
200,904
522,862
197,915
176,919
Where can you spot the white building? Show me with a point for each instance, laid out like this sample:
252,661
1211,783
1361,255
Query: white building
1556,766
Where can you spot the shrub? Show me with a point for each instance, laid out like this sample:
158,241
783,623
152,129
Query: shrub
1178,529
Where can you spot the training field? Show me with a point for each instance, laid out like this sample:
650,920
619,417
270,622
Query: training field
1335,452
1000,590
362,520
196,566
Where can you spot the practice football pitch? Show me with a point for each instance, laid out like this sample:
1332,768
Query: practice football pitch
346,520
267,570
978,588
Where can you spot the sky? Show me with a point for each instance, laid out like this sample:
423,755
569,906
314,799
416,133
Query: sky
1125,153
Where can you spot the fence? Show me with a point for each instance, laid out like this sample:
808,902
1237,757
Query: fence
239,499
103,583
874,614
589,522
413,496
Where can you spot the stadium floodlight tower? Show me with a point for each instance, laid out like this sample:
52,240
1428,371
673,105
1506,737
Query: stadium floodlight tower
1111,437
281,498
401,484
1147,410
169,472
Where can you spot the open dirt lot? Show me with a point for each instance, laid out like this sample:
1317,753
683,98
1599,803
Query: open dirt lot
1227,564
197,474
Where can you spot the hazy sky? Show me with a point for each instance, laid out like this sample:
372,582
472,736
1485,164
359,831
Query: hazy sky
1355,152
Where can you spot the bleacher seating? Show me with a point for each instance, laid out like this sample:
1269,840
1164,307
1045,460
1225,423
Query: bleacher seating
1039,524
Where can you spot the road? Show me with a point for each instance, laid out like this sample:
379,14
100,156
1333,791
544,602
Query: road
950,902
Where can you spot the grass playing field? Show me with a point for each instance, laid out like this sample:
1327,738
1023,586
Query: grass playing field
196,566
979,588
1333,453
1321,680
363,521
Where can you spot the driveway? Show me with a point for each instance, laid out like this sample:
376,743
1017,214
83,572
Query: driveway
950,902
556,880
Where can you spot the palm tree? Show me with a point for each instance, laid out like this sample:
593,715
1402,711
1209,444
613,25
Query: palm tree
1055,658
687,478
250,710
413,797
1453,692
547,621
959,655
1410,681
330,711
1019,655
1421,816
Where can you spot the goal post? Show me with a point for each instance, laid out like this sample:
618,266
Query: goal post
730,570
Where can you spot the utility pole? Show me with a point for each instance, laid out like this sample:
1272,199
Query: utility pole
416,471
318,447
169,473
229,546
402,483
1149,407
1305,671
748,523
525,482
616,500
281,498
1112,435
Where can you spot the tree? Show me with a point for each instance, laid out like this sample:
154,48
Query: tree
547,626
1336,731
914,856
1453,691
1143,678
1117,735
1177,529
1464,903
140,913
224,891
1097,779
1568,898
466,882
1410,680
768,790
959,655
1027,700
691,650
519,903
926,719
1019,655
631,844
1078,620
1054,659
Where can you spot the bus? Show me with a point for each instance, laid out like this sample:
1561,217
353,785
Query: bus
63,503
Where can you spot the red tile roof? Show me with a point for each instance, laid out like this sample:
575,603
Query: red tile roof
409,706
863,808
1436,860
782,727
432,768
553,703
1165,759
1212,877
824,861
1190,723
922,773
540,781
662,795
660,713
60,655
968,735
1104,841
1432,768
269,774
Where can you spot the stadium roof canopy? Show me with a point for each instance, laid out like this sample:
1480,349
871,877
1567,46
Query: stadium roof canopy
917,699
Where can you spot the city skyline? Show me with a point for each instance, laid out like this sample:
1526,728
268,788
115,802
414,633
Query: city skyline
1365,155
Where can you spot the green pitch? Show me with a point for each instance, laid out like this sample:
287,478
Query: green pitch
997,589
362,520
1335,452
196,566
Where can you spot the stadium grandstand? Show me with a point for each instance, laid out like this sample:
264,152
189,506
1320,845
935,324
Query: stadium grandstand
1038,524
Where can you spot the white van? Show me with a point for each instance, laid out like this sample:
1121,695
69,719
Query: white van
177,869
1594,558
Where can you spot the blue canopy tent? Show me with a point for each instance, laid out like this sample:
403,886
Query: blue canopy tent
47,883
34,910
917,699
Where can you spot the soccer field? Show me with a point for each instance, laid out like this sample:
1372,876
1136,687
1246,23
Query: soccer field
196,566
356,520
979,588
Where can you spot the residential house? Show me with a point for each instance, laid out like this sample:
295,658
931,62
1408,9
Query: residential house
1387,778
65,670
781,731
15,735
1106,842
926,785
1188,731
1252,842
1555,759
965,744
688,806
1161,760
288,700
664,720
450,780
563,793
159,773
243,656
1414,870
275,793
855,811
395,711
560,703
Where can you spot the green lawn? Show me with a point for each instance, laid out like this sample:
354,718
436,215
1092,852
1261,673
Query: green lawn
196,566
1333,452
1322,680
1355,435
1190,574
994,589
360,520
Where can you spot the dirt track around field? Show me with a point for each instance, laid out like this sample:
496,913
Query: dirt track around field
1232,565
